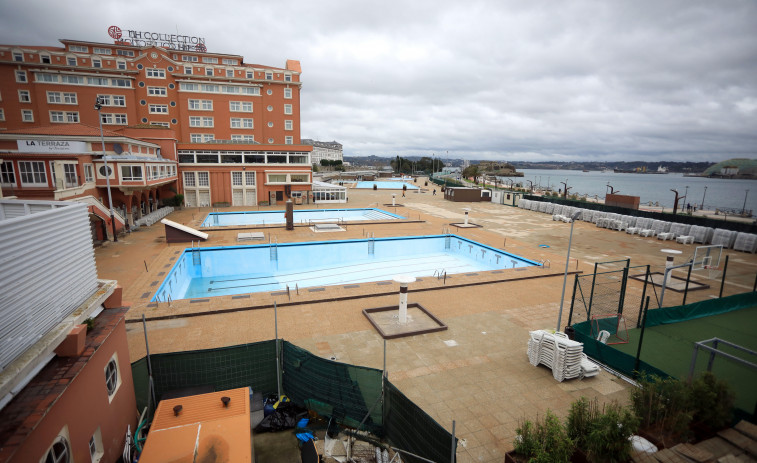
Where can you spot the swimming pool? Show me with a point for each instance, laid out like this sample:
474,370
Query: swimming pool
220,271
385,185
225,219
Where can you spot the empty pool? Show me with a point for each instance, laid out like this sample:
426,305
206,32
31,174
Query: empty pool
301,216
222,271
385,185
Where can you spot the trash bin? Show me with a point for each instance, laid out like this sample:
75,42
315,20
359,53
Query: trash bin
571,332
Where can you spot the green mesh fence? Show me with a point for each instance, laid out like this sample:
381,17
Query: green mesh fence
409,428
223,368
607,294
346,392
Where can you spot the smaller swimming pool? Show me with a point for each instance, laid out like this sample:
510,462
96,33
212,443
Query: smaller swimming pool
307,216
385,185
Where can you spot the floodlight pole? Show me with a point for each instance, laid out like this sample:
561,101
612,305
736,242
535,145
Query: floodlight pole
567,261
705,194
98,106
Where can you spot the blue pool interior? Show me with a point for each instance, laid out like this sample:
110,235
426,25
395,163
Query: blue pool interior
385,185
225,219
220,271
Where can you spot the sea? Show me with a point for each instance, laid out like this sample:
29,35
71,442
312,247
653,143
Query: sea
714,193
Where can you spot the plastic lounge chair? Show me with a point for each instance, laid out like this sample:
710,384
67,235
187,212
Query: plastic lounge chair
685,239
603,336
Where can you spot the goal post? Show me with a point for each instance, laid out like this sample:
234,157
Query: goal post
614,325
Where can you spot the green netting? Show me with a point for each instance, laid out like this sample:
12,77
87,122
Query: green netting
223,368
346,392
606,294
409,428
700,309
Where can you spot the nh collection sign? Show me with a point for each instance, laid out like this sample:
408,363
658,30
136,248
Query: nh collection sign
52,146
148,39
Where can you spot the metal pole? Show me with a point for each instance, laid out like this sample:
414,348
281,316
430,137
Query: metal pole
743,208
565,276
384,369
754,288
643,294
641,338
107,170
149,364
591,294
278,360
686,289
452,454
573,299
701,207
722,281
664,280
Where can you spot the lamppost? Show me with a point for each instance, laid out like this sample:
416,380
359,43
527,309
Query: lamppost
743,208
567,261
98,107
701,207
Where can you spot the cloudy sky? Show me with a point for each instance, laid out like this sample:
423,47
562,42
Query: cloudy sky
511,80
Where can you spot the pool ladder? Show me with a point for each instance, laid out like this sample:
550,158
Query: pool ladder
196,257
274,248
371,243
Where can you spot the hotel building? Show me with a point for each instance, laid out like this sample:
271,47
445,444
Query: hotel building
206,125
328,150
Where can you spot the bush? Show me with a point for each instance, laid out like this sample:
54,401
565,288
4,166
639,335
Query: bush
662,407
175,201
607,440
712,403
544,442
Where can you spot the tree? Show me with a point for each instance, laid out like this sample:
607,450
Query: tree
471,172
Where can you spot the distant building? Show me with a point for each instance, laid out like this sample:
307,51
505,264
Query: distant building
329,150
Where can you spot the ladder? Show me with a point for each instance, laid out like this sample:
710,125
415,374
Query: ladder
372,244
196,258
447,241
274,249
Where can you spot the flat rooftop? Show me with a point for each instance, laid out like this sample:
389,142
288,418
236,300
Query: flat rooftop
483,379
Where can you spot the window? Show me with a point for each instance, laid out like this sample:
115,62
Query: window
287,109
209,60
203,179
158,109
287,77
125,53
268,76
130,174
73,80
162,124
121,64
250,74
189,179
289,140
189,58
288,125
277,178
112,378
97,63
112,100
229,62
7,174
287,93
21,77
236,179
155,73
44,59
89,173
243,138
18,56
24,96
78,48
113,119
59,452
100,81
62,98
201,105
120,82
208,71
66,117
71,60
69,173
27,115
102,51
187,69
157,91
2,114
239,123
197,121
201,137
229,73
240,106
299,178
32,173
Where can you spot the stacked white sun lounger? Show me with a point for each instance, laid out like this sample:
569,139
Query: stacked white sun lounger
564,356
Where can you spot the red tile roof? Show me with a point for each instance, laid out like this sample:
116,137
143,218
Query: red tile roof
73,130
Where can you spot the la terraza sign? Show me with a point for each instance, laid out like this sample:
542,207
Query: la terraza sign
149,39
52,146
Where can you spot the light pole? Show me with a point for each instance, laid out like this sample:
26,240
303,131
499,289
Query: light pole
701,207
743,208
98,107
567,261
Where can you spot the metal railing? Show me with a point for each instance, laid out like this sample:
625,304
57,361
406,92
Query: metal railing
715,352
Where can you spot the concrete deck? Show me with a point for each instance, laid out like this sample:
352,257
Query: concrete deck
485,381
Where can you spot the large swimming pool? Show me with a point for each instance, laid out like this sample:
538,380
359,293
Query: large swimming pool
226,219
222,271
385,185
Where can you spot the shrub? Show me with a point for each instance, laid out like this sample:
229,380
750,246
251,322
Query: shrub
545,441
607,440
662,407
174,201
711,402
